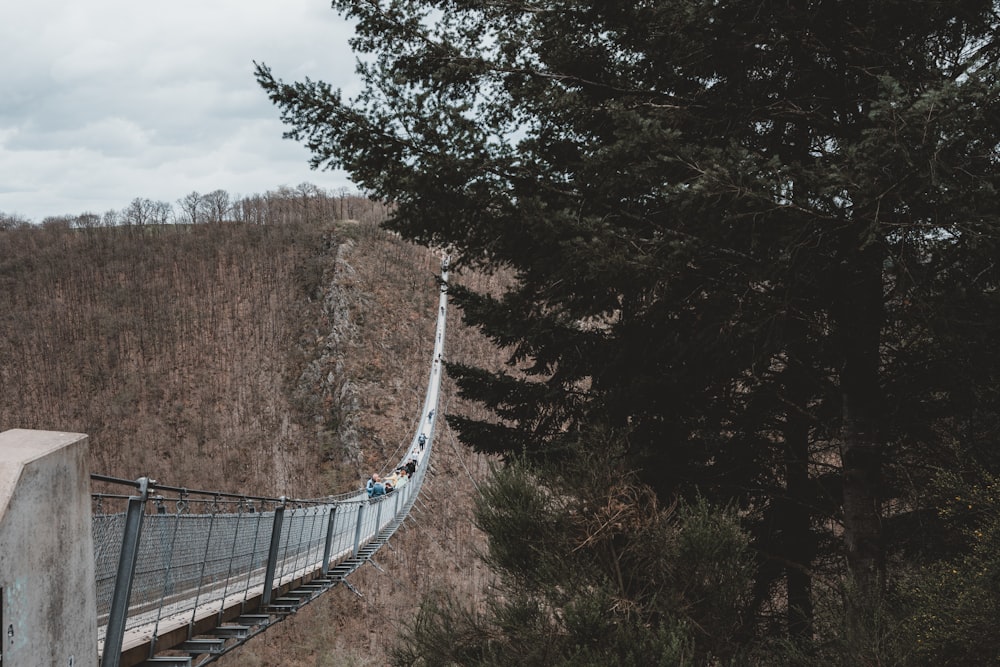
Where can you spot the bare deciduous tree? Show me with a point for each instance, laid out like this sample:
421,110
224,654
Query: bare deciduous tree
192,207
139,212
217,205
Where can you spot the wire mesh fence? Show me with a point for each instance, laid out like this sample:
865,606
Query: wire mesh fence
198,553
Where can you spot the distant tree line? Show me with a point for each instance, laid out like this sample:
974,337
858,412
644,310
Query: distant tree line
305,202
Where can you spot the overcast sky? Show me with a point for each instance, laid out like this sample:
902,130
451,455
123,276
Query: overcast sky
104,101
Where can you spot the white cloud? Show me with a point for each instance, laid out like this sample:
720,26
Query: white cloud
110,100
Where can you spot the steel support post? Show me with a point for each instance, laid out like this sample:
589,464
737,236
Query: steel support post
329,539
357,530
272,553
118,614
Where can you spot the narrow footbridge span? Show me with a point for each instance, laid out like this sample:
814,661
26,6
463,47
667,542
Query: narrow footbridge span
184,576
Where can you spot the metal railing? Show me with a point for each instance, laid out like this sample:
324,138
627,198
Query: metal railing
169,559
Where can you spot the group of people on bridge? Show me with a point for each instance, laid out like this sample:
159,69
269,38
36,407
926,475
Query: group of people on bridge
377,486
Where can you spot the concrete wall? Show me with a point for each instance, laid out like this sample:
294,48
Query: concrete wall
48,611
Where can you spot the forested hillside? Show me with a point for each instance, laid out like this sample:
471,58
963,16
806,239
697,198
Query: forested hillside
177,349
283,359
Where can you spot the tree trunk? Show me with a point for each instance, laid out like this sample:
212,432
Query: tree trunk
799,541
860,323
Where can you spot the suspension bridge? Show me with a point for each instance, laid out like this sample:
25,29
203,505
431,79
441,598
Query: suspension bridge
143,573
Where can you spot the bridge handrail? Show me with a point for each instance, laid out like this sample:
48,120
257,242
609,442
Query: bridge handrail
153,484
